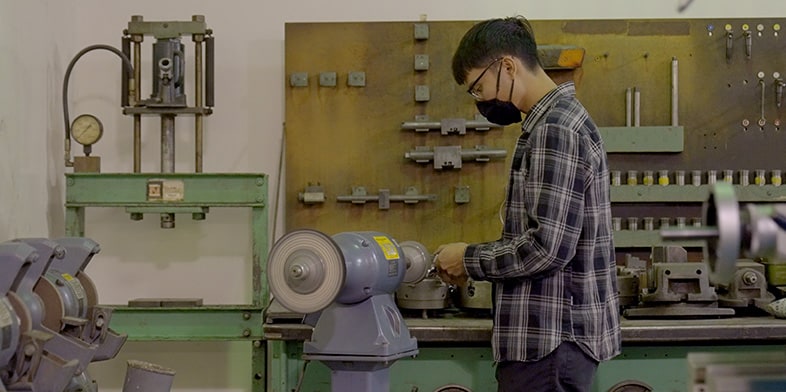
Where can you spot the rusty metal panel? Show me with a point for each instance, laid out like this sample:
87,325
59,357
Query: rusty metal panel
346,136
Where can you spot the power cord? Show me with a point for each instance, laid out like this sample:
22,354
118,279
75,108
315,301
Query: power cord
302,375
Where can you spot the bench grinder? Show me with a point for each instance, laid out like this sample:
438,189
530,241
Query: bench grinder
350,278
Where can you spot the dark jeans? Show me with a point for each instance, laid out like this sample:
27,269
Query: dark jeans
567,368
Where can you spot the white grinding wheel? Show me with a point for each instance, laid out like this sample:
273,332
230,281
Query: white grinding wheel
306,271
722,211
418,261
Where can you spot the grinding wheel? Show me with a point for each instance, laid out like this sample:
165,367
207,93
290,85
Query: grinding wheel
306,271
418,261
722,211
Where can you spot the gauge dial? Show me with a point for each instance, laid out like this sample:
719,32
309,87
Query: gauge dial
86,129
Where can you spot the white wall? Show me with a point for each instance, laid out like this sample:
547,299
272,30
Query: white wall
35,40
208,259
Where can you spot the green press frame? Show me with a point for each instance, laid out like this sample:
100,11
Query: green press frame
200,192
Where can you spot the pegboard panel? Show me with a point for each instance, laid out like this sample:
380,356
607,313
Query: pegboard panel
349,87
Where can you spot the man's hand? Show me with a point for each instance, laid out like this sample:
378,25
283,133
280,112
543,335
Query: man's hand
450,263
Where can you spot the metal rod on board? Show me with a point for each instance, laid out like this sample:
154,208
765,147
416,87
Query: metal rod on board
636,107
198,125
628,107
675,121
209,71
137,96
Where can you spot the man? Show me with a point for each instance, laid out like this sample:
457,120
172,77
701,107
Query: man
556,310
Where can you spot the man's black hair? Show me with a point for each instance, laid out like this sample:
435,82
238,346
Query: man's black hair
492,39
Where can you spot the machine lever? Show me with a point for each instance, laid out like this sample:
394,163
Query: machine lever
748,44
729,44
762,120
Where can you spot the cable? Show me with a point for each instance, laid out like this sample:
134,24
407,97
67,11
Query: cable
278,181
66,121
302,375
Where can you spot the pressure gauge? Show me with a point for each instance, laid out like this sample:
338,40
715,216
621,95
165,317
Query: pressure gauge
86,129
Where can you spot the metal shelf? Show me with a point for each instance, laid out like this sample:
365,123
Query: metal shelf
648,238
692,193
643,139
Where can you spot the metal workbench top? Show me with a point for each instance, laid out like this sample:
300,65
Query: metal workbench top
478,330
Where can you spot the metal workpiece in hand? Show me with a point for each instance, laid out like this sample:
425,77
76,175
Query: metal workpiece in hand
421,289
732,231
449,261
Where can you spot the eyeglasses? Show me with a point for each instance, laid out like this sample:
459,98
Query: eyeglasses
476,94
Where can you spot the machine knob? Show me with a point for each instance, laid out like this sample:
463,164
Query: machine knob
750,278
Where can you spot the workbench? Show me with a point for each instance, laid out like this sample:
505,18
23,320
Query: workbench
455,350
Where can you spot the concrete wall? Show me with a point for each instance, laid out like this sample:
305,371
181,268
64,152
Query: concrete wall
208,259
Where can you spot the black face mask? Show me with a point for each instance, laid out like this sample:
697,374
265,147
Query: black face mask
500,112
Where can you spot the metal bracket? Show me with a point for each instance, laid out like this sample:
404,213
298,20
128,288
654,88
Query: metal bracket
453,125
462,194
447,157
451,157
421,62
421,118
313,194
167,29
422,93
298,79
421,31
450,125
327,79
356,79
360,196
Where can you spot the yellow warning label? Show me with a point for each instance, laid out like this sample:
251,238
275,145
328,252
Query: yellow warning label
390,251
68,277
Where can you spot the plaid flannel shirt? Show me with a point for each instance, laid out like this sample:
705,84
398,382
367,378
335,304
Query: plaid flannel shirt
553,270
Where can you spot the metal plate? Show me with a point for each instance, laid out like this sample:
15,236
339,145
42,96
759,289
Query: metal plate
306,271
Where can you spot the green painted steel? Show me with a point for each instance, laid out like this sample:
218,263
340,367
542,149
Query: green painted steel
194,193
168,209
226,322
643,139
663,368
199,189
692,193
258,365
284,365
259,253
